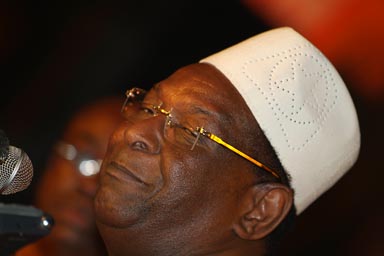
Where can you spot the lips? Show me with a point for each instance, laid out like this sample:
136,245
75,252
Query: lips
120,172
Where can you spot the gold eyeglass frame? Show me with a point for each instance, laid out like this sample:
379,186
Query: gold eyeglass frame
134,92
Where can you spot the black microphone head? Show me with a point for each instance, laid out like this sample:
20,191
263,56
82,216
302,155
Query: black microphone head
15,172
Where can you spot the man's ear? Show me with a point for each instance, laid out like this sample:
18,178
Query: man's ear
261,210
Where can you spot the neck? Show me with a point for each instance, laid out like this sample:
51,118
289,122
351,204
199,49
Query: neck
127,242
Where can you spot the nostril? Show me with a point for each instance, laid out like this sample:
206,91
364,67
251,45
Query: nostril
141,135
139,145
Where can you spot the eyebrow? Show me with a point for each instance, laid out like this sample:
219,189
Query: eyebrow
213,115
196,108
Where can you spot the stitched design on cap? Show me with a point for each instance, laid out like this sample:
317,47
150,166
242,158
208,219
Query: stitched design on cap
299,88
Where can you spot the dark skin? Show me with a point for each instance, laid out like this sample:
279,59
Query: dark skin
156,198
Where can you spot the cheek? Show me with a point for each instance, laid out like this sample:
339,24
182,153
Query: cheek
193,182
199,169
199,195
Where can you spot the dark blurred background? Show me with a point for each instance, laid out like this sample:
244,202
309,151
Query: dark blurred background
56,56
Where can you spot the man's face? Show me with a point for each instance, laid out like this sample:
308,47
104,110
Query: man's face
150,179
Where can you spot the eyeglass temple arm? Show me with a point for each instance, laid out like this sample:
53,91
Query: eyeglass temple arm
230,147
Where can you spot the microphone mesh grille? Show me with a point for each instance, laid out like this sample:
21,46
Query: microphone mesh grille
19,162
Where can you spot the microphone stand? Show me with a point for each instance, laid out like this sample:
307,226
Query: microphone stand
21,225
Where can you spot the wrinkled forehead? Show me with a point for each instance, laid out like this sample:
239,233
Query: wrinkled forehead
200,84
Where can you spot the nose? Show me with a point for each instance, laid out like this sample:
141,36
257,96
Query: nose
144,135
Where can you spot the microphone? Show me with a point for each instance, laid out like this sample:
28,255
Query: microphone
21,225
16,169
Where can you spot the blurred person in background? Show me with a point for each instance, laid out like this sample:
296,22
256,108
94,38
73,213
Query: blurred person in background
68,184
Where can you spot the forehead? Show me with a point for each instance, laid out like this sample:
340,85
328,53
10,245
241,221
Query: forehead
200,84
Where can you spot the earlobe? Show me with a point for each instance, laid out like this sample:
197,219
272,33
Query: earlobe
262,209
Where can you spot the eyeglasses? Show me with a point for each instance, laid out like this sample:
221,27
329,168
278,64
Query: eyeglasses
85,164
135,109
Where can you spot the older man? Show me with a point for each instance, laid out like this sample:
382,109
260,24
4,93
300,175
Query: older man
218,157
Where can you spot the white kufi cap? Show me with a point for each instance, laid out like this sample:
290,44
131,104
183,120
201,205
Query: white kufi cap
302,105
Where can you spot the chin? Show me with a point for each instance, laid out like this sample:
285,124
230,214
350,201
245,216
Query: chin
113,211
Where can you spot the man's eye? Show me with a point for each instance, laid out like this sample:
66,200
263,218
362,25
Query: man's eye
148,110
190,132
185,135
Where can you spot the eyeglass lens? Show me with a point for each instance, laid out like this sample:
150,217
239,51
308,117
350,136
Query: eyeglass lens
134,109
